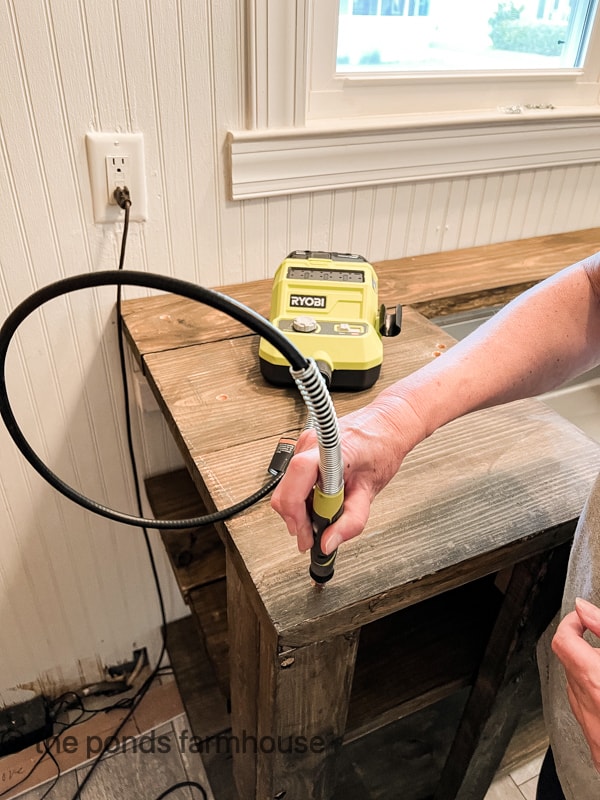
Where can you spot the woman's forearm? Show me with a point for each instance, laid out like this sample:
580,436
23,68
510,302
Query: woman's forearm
546,336
537,342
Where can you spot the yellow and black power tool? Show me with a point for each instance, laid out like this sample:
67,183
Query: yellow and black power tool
327,305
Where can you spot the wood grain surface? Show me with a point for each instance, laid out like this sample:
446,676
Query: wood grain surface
495,490
480,269
165,322
495,485
478,496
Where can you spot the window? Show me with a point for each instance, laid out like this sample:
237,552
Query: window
441,35
313,123
385,8
450,56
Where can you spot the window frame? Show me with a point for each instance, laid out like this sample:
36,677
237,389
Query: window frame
286,148
357,95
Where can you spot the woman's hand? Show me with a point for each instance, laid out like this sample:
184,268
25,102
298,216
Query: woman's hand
582,666
374,442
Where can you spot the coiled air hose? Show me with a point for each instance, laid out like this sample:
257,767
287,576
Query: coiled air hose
305,372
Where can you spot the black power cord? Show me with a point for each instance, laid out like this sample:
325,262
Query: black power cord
123,200
120,278
182,785
221,302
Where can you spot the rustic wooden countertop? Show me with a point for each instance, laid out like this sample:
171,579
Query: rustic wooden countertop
433,284
482,493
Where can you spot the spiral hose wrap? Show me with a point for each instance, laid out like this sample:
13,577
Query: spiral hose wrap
323,419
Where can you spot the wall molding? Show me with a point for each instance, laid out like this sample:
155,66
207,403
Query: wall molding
266,163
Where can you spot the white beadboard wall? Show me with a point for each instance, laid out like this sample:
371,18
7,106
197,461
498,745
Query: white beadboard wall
76,590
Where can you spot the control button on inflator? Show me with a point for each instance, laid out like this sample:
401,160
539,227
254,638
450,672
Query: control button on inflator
304,324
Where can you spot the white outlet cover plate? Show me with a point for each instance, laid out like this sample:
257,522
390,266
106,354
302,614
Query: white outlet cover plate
99,146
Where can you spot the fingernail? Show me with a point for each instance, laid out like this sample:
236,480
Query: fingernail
334,542
587,610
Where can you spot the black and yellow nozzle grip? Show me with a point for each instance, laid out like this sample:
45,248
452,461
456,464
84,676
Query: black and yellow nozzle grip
326,508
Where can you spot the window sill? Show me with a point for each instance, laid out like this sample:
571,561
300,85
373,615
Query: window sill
265,163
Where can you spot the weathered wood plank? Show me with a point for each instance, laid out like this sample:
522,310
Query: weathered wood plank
470,301
479,269
166,322
474,498
214,396
197,555
287,737
449,515
303,705
244,664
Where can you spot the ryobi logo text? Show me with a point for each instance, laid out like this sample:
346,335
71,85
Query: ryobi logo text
307,301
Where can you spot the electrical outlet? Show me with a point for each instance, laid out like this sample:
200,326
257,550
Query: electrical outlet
116,159
117,174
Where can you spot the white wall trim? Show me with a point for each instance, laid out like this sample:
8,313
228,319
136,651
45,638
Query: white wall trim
266,163
276,53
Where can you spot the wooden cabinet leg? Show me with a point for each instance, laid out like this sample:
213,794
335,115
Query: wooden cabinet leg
288,705
506,675
244,641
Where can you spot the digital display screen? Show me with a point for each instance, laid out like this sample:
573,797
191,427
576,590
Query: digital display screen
326,274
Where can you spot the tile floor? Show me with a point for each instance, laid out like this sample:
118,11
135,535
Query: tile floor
519,785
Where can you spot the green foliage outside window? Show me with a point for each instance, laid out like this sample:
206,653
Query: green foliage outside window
374,57
509,33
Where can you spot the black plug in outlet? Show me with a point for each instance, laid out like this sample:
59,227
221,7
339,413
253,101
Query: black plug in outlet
142,653
139,659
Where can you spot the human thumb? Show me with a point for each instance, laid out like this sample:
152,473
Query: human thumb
589,614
